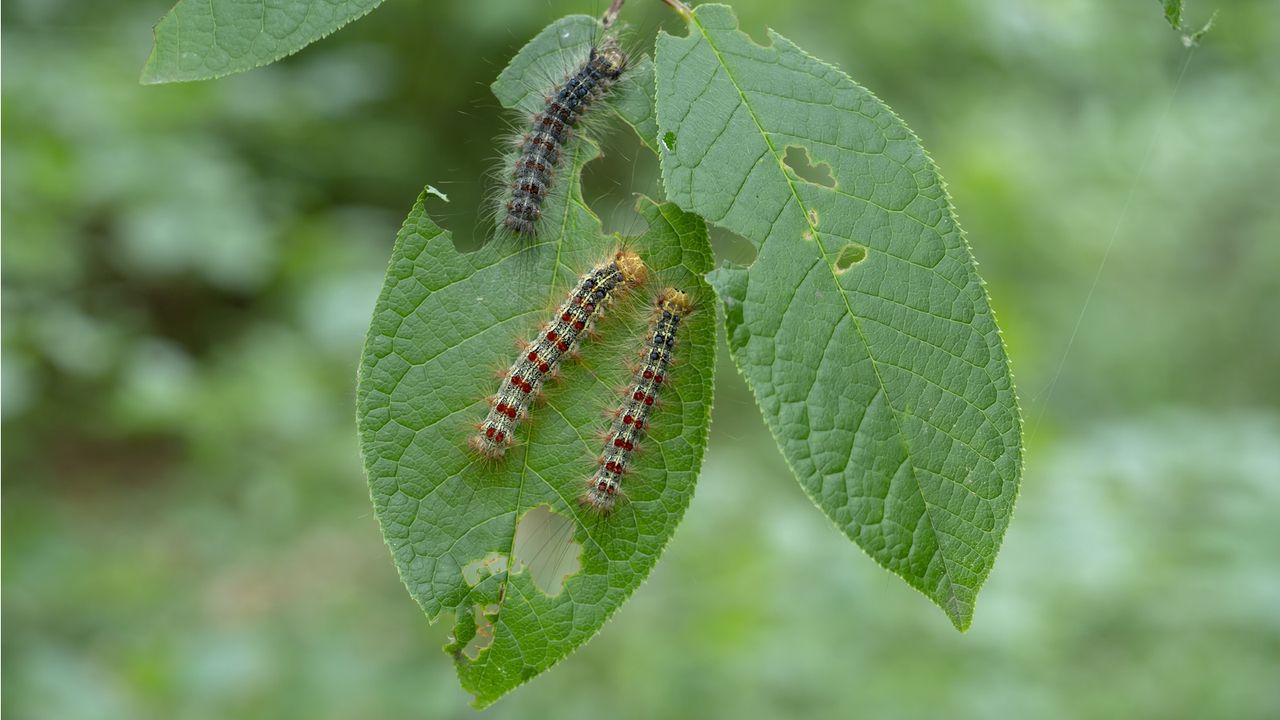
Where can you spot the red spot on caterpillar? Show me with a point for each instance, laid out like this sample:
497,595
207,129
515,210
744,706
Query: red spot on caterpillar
633,417
522,383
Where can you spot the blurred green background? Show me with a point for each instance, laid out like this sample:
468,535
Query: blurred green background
188,272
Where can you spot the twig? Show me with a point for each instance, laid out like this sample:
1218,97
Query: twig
681,9
611,15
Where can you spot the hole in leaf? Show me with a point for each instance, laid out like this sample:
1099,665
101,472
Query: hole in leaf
611,182
544,545
619,217
731,247
492,564
483,637
797,158
850,255
669,141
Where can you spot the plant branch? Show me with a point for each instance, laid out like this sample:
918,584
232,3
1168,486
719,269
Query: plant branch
681,9
611,15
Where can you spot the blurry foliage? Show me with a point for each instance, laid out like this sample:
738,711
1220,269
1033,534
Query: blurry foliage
188,272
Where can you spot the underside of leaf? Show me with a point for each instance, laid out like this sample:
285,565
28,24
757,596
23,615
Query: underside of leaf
862,326
204,39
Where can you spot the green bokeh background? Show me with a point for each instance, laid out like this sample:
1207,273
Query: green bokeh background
188,272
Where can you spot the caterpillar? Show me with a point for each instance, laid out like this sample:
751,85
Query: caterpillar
540,149
541,357
632,419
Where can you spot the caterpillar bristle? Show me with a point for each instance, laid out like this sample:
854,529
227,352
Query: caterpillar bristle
539,151
631,418
540,359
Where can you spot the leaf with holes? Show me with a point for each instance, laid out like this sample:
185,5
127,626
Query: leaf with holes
465,534
861,326
551,54
204,39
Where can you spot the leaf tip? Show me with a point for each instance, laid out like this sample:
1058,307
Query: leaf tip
961,618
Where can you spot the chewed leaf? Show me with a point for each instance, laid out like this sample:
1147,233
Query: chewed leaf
862,326
505,546
203,39
550,54
444,322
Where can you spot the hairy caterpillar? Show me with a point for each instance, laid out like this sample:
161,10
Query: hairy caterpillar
540,149
632,418
522,382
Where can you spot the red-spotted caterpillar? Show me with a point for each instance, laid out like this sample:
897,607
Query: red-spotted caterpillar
522,382
540,149
632,418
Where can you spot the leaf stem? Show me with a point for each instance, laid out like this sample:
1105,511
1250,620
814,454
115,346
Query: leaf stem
681,9
611,15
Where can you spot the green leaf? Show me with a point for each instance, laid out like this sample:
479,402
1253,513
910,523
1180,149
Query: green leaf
862,326
204,39
1173,14
553,53
444,323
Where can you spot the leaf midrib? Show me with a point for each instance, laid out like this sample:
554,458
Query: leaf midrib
893,412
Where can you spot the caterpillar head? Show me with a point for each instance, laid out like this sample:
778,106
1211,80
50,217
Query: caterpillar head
613,62
632,267
675,302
